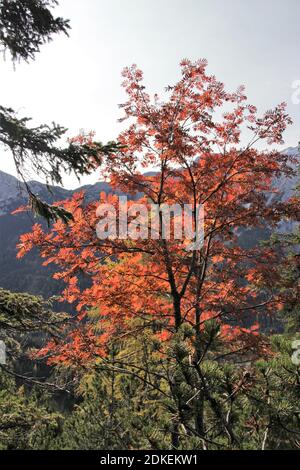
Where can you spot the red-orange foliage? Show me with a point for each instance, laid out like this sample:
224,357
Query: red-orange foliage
197,154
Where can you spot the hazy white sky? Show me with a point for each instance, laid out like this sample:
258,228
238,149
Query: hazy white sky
76,81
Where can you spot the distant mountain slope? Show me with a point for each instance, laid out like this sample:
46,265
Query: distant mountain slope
28,274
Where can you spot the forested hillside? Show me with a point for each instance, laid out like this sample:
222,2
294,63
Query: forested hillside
28,275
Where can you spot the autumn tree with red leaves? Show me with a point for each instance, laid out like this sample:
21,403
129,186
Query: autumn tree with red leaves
189,149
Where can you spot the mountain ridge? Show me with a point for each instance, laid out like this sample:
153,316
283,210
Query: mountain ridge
28,274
